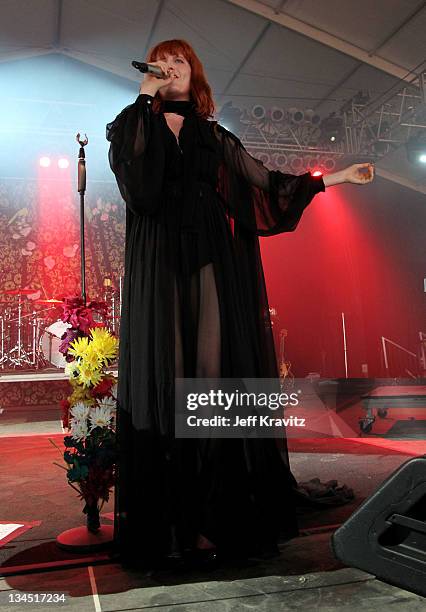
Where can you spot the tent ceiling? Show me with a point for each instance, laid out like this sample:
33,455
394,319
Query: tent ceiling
275,52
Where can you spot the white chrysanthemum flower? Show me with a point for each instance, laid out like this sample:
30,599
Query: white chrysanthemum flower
107,402
79,429
100,416
71,369
80,411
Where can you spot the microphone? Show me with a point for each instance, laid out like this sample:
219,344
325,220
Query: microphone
144,67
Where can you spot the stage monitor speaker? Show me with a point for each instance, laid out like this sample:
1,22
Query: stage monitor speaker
386,535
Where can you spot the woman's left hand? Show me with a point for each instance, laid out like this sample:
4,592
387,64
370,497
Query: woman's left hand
355,174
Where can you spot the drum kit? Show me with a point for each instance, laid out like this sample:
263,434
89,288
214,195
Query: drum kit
31,330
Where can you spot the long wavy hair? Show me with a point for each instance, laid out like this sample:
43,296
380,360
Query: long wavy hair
200,91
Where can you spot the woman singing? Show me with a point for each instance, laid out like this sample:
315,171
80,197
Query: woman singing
195,305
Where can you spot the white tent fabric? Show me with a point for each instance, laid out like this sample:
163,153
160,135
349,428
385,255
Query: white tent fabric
305,53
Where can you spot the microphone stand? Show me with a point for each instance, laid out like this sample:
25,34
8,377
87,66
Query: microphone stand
81,188
79,539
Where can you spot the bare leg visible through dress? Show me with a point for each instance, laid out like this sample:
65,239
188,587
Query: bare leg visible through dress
208,338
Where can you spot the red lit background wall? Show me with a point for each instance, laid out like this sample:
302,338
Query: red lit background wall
360,250
39,227
357,250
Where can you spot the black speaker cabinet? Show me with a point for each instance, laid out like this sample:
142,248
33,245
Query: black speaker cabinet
386,535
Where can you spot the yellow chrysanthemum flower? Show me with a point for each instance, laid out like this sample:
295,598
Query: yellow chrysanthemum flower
92,358
78,347
104,344
99,332
88,376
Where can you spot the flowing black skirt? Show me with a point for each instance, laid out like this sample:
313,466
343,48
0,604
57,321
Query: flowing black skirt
194,305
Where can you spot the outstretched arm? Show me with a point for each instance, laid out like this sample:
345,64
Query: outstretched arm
265,201
359,174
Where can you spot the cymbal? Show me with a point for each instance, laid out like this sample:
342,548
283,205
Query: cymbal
20,291
52,301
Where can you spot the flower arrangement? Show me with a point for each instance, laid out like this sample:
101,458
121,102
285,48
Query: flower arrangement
89,412
81,318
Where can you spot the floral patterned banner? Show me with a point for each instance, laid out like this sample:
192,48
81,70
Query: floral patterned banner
40,242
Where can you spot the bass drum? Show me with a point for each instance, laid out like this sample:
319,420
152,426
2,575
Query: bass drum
50,341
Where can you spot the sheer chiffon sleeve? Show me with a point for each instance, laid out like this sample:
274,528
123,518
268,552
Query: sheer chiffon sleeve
264,201
136,155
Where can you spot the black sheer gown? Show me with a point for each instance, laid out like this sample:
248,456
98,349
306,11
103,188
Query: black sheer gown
195,304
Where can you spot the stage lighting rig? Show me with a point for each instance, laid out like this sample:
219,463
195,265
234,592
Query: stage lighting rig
332,129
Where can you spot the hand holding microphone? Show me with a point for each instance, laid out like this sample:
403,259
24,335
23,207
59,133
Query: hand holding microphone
154,79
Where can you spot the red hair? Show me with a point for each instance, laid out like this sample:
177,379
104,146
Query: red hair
200,91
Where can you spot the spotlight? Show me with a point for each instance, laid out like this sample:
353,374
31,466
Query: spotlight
317,173
258,111
362,98
265,158
277,114
312,117
296,115
295,162
332,129
44,162
312,162
280,160
63,163
416,149
329,163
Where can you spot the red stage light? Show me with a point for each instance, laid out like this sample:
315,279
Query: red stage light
63,162
317,173
44,162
